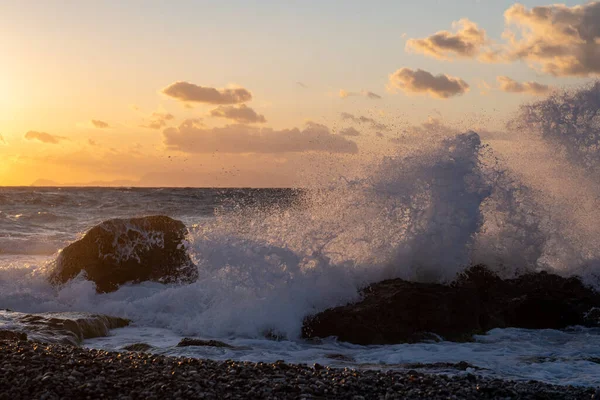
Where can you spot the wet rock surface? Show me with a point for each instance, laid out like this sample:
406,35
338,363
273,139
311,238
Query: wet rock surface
398,311
30,370
138,347
185,342
132,250
66,328
12,335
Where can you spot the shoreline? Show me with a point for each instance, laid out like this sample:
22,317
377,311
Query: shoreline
32,370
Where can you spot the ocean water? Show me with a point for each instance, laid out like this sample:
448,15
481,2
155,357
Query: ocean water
267,258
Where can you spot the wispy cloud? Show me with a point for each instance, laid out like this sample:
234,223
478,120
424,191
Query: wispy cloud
365,93
241,114
100,124
158,120
44,137
509,85
191,138
189,92
422,82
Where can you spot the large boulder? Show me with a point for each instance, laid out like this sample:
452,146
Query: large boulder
398,311
128,250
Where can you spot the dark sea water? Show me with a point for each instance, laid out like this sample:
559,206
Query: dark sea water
42,220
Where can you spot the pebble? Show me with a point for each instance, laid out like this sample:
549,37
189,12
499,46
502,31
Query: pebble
97,374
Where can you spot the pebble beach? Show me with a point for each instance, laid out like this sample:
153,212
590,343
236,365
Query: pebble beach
31,370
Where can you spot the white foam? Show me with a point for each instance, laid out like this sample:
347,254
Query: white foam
564,358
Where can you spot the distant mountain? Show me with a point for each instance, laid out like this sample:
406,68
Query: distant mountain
44,182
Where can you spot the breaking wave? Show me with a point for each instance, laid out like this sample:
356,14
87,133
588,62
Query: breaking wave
425,214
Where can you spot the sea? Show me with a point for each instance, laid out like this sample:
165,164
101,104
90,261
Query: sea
268,258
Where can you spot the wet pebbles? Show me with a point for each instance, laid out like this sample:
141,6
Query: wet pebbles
30,370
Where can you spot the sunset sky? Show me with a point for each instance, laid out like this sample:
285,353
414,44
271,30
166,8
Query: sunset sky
265,93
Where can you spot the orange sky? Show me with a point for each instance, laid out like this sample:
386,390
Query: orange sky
203,94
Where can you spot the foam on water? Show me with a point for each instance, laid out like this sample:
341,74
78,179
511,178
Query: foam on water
565,358
424,214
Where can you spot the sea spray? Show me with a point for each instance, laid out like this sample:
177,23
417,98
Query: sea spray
569,119
423,214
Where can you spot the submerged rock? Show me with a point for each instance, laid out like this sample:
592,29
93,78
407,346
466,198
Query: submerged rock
340,357
63,328
128,250
139,347
398,311
207,343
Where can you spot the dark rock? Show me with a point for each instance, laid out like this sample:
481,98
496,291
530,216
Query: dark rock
460,366
593,316
198,342
398,311
12,335
141,347
128,250
65,328
340,357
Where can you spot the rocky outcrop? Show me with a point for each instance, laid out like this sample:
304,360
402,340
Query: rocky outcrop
398,311
128,250
64,328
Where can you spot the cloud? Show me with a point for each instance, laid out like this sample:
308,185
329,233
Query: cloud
185,91
44,137
99,124
349,132
302,85
560,40
363,120
190,138
370,95
423,82
511,86
466,42
158,120
92,142
241,114
554,39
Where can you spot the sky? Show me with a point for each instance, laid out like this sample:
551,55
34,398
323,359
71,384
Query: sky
265,93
